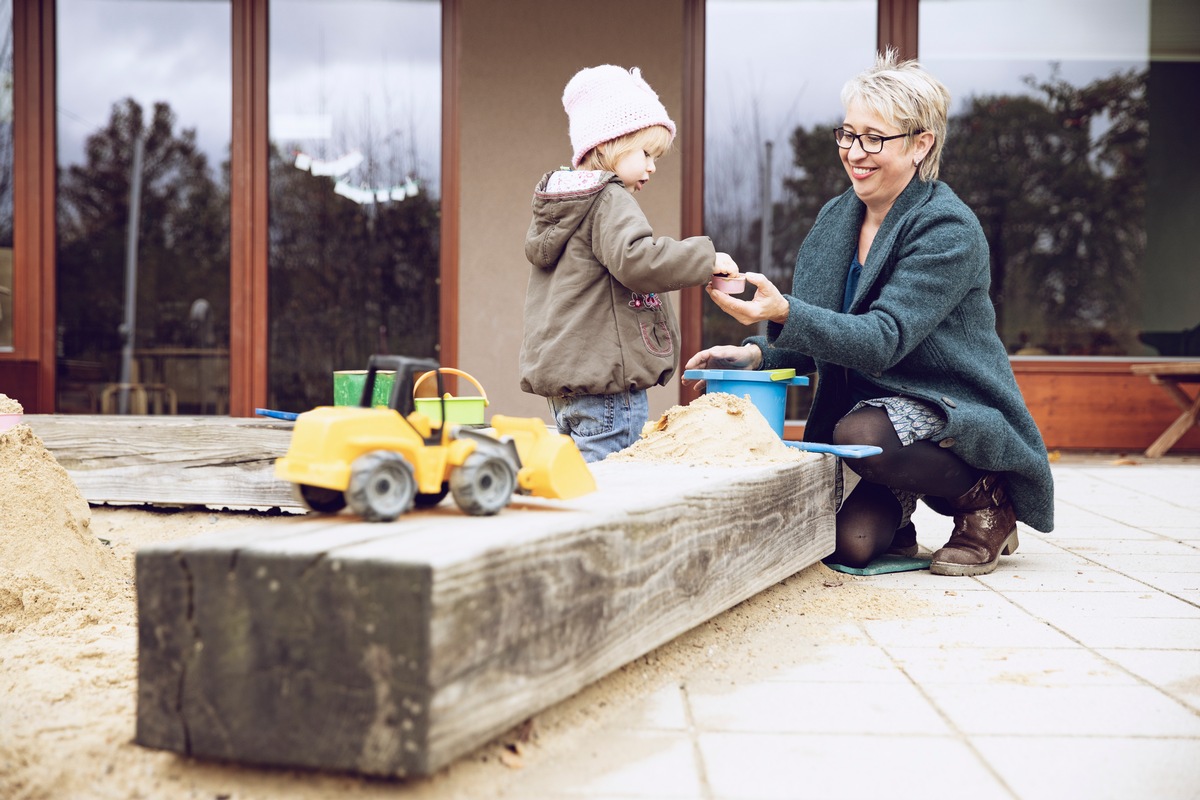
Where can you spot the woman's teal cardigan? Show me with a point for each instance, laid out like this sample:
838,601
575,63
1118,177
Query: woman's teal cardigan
922,325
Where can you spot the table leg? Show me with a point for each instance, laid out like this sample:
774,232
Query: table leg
1189,417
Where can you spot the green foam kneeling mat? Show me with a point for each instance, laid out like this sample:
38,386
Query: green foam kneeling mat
885,564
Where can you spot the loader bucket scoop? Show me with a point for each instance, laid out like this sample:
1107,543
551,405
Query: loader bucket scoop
551,464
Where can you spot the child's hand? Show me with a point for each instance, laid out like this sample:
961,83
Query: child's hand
725,266
724,357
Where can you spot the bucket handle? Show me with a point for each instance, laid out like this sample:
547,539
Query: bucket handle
452,371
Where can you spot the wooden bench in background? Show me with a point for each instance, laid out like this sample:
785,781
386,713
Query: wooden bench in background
1169,374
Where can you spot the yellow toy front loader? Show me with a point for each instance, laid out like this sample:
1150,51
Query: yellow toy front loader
380,462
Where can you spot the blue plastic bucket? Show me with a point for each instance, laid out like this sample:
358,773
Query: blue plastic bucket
767,389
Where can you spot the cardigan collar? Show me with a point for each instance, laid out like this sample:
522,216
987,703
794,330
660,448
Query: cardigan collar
914,194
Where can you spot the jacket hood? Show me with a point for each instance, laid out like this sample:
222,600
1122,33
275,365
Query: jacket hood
561,202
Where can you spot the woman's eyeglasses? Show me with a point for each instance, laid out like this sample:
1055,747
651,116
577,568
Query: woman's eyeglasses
869,142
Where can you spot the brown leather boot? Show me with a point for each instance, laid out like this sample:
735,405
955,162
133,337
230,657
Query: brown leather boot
985,527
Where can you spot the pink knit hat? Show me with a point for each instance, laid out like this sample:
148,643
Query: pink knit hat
605,102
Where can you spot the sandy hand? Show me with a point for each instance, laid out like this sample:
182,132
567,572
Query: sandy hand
725,266
725,356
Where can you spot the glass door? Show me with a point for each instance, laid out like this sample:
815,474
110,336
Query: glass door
1069,137
355,149
143,137
774,73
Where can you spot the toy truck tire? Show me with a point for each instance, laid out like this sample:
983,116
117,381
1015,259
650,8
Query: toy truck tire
484,484
319,499
381,486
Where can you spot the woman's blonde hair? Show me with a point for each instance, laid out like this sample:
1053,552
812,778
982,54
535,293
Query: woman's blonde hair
903,93
655,140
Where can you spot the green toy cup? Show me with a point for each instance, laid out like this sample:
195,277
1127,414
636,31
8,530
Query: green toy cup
348,387
460,410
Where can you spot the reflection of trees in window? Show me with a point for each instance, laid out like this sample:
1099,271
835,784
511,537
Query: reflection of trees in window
733,198
1058,182
347,280
182,245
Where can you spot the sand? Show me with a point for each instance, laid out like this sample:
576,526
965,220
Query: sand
68,650
715,429
42,574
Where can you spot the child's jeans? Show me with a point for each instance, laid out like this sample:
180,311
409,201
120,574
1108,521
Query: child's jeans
601,424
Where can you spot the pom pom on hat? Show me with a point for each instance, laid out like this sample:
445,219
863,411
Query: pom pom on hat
606,102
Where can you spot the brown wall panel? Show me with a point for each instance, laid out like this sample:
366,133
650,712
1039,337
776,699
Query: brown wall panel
248,211
897,26
515,59
19,380
33,210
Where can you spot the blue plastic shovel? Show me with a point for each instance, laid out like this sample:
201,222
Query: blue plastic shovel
268,412
842,450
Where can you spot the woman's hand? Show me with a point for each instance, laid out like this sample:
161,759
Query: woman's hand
766,305
725,356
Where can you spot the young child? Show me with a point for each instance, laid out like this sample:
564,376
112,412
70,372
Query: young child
597,331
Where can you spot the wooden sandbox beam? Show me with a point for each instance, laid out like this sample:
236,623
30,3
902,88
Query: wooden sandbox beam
393,648
167,460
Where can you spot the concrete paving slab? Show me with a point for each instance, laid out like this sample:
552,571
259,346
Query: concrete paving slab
889,709
1010,709
1147,604
862,766
1021,666
1174,672
1041,767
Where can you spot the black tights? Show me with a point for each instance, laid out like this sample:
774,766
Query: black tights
870,515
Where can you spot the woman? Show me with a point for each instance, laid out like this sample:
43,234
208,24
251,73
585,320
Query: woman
890,306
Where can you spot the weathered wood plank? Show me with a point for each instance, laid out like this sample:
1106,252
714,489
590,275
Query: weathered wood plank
163,460
391,649
1190,370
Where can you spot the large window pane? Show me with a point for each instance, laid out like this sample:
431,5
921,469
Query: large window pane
774,72
355,116
144,99
6,173
1069,139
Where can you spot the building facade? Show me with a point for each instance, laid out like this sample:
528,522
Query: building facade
210,206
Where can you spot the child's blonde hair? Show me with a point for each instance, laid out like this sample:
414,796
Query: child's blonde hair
654,140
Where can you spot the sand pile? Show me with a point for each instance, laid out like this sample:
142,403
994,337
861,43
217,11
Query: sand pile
49,559
716,429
